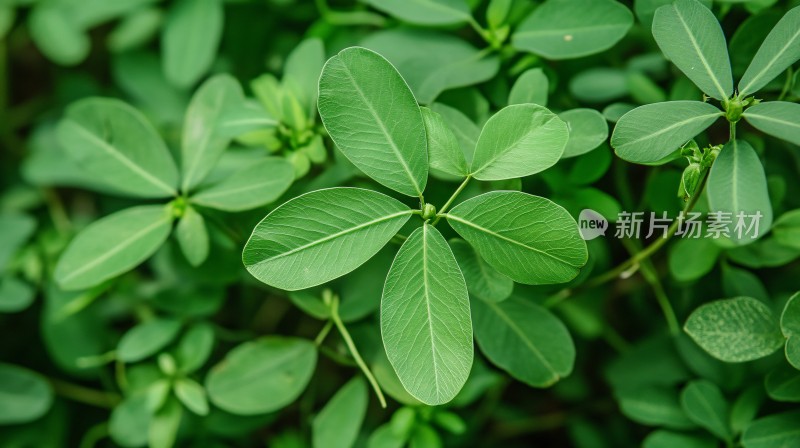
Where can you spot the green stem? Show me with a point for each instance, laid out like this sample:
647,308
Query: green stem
629,266
354,351
399,239
323,333
449,202
85,395
732,135
650,275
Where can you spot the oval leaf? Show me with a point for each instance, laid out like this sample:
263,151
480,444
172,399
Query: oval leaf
652,132
691,37
425,321
262,376
444,152
254,186
299,244
116,143
204,140
735,330
24,395
587,130
532,86
372,116
777,118
737,185
518,141
425,12
525,340
191,35
338,423
705,405
192,236
528,238
147,339
777,430
483,281
565,29
113,245
779,50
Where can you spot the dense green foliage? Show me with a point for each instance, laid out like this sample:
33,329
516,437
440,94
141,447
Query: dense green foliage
363,223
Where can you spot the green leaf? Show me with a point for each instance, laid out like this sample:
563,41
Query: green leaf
203,142
566,29
7,16
147,339
652,132
192,395
254,186
432,62
790,326
670,439
776,118
115,143
192,236
163,429
779,50
691,37
15,229
777,430
518,141
599,85
735,330
465,130
194,347
532,86
425,321
113,245
129,421
372,116
737,185
783,384
135,30
337,425
785,229
692,258
425,12
15,294
483,281
528,238
300,244
587,130
57,35
705,405
303,67
746,407
741,282
525,340
190,37
653,406
262,376
24,395
444,151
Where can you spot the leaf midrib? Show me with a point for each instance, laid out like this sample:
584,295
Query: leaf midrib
773,119
561,31
505,238
383,129
202,196
768,65
117,249
670,128
118,155
509,148
518,331
426,285
696,46
335,235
